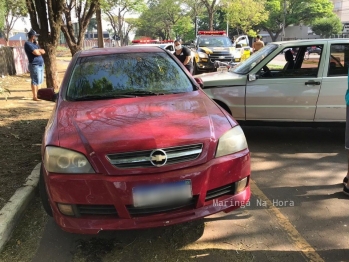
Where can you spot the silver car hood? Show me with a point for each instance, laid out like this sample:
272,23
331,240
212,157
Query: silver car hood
222,79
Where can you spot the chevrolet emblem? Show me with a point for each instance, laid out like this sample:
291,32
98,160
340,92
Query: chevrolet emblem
158,158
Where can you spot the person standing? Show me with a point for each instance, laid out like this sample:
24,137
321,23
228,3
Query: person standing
36,62
258,44
184,55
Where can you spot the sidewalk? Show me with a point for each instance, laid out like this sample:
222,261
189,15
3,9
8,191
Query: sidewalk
11,213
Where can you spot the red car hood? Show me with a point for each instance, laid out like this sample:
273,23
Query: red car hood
141,123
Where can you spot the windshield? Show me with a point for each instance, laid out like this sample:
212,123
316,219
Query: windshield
247,65
127,74
214,42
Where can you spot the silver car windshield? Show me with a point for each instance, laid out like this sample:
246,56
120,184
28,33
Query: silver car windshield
247,65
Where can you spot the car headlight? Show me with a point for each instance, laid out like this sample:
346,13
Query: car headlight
60,160
202,55
231,142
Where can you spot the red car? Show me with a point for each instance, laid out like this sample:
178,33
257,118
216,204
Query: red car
133,142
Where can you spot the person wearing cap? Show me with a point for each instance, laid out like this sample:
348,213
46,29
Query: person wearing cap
184,55
258,44
36,62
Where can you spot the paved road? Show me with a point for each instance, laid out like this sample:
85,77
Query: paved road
297,212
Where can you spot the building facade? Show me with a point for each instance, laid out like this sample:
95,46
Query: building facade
341,9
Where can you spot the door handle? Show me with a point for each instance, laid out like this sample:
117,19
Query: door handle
313,83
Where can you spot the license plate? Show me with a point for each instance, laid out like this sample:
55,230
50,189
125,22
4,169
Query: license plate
162,194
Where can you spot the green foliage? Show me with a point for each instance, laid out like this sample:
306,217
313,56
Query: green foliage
158,20
116,11
295,11
92,25
2,14
11,10
184,28
245,14
327,26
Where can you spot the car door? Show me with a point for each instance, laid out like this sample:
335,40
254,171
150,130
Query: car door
285,91
331,103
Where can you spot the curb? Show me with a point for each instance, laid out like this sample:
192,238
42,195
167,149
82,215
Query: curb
11,213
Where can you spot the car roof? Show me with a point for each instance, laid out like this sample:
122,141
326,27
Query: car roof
215,36
121,50
311,41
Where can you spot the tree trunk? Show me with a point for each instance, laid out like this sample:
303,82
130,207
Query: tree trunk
210,20
99,27
84,13
46,19
51,66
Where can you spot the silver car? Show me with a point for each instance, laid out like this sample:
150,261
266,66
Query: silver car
292,85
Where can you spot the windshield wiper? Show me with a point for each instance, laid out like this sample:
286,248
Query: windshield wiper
101,97
142,93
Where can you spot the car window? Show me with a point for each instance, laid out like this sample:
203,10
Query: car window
339,58
169,48
251,62
214,42
294,61
119,74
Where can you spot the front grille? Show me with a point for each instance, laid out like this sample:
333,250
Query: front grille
226,59
157,156
143,211
96,210
220,191
216,57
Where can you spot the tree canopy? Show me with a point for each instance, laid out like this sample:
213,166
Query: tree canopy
12,10
327,26
294,12
116,10
244,15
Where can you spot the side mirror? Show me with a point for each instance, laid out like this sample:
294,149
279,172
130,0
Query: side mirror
199,81
47,94
252,77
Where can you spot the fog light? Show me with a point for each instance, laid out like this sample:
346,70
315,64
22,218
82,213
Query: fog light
66,209
241,185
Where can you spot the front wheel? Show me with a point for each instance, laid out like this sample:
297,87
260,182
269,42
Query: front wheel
196,70
43,194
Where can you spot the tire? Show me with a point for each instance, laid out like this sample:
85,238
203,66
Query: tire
43,194
196,70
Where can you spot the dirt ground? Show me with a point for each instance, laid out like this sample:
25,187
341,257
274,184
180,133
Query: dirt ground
22,123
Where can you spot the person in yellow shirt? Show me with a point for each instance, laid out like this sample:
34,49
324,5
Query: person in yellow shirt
258,44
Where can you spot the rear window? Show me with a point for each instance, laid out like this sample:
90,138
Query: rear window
119,74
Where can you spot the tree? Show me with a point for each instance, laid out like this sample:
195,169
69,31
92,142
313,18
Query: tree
2,14
116,11
13,10
84,11
211,7
46,19
158,20
184,28
327,26
245,14
294,12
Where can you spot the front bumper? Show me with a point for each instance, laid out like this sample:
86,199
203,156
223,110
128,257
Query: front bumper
113,195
